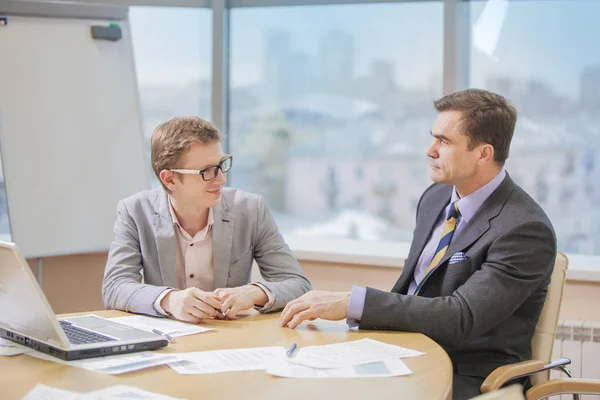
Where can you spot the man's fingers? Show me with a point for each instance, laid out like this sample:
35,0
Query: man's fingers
231,306
302,316
286,310
205,309
208,298
219,294
294,309
193,312
220,316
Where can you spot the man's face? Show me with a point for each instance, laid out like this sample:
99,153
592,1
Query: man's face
192,189
450,160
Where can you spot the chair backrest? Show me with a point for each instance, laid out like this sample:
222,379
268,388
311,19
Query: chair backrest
545,330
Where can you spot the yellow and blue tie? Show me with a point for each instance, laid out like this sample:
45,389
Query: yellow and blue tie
447,232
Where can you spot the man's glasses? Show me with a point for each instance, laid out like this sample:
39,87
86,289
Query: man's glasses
209,173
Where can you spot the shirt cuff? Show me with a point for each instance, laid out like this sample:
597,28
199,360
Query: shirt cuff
356,306
270,297
157,306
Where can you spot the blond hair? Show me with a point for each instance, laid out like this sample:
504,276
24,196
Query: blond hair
174,137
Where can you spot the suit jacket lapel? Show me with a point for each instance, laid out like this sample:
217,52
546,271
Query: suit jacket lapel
222,237
432,211
480,222
164,232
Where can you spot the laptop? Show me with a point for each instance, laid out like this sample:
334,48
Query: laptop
27,318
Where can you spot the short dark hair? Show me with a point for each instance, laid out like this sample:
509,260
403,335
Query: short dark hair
486,118
172,138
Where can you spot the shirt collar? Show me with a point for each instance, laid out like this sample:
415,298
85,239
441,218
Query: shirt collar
176,222
469,205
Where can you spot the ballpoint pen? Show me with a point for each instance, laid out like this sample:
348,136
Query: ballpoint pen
221,312
290,352
166,335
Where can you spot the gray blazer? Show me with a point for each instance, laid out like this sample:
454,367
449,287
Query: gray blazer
484,310
243,231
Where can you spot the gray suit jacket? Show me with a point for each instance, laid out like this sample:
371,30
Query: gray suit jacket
484,310
243,231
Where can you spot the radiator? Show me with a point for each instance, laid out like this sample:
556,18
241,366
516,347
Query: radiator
579,341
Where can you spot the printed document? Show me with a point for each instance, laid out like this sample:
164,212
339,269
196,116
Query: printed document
379,369
165,325
346,354
118,364
211,362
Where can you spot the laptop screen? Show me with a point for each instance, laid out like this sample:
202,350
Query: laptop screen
23,306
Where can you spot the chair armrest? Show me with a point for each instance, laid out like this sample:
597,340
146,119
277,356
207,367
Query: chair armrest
505,373
508,372
557,386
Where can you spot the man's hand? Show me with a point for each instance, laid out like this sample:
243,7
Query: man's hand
240,299
313,305
191,304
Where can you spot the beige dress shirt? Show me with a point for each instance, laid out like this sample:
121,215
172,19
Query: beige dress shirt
194,261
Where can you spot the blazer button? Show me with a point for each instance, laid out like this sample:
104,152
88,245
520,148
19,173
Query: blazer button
191,244
192,276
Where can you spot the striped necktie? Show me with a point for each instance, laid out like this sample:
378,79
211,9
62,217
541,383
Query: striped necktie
447,232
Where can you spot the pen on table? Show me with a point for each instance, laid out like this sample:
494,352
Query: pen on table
166,335
290,352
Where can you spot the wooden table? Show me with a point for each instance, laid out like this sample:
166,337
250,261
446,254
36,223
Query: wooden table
431,378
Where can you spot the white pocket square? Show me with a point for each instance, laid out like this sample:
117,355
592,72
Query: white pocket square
457,257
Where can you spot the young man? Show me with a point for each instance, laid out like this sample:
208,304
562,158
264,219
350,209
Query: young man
186,249
476,276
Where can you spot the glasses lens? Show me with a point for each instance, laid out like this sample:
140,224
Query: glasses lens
226,164
210,173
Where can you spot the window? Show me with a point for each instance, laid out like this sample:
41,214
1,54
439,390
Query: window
173,58
318,93
546,60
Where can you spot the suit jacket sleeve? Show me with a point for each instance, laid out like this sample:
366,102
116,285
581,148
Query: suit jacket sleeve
122,288
283,274
517,263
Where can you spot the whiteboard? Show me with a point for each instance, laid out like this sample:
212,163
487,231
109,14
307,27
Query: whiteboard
70,133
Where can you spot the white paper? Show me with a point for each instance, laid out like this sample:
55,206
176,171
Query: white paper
118,364
349,353
211,362
43,392
120,392
380,369
165,325
9,348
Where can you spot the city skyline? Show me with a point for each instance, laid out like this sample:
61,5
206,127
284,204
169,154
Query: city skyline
550,45
313,90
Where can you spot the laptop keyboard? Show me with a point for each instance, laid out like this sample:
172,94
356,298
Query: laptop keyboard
81,336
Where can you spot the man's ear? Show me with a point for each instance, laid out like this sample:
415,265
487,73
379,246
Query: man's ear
167,178
486,154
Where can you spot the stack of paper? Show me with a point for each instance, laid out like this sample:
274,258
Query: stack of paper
365,358
360,358
121,392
